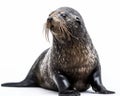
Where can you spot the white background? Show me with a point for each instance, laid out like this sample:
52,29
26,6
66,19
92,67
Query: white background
22,40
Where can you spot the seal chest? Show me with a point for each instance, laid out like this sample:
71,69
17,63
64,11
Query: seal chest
76,61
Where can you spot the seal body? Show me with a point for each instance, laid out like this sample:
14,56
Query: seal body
71,64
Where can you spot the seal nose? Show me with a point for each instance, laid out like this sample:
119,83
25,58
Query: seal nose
49,19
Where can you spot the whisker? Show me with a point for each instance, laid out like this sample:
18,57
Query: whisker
46,31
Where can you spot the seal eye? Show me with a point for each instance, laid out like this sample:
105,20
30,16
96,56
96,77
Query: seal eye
64,15
78,20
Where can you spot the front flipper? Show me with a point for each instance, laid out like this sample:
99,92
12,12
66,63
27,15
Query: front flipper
96,83
63,85
69,93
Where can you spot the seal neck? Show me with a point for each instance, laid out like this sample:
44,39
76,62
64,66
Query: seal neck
82,39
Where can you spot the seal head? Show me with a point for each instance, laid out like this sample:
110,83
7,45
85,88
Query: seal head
65,23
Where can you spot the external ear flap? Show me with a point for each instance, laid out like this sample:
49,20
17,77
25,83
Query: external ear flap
78,20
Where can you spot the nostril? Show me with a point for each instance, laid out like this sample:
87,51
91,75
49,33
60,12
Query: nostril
49,19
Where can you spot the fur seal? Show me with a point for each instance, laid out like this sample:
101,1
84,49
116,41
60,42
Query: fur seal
71,64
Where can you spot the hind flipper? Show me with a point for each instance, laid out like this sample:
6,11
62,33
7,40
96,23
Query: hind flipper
31,79
26,83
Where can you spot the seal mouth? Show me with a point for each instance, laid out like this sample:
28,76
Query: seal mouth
51,27
58,29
